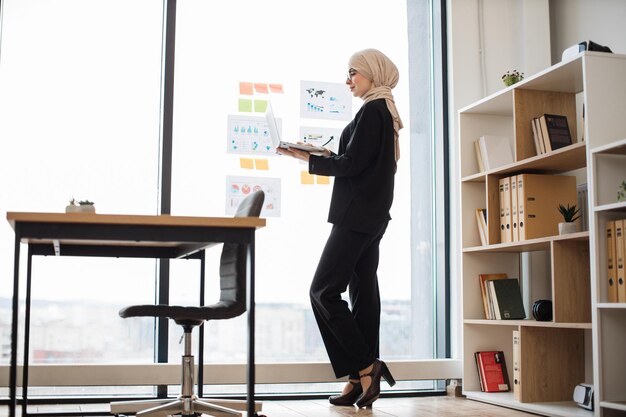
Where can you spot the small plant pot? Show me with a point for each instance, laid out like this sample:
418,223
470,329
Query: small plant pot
567,227
86,208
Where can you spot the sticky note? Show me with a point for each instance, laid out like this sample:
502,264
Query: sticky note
245,105
322,179
261,88
260,106
262,164
246,163
245,88
276,88
306,178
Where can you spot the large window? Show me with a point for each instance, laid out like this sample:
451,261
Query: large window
79,117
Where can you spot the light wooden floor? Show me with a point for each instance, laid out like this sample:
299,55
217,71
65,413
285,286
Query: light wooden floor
385,407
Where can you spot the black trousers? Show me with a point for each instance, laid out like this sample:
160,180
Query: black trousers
350,332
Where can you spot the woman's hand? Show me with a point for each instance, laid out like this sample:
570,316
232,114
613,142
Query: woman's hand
301,155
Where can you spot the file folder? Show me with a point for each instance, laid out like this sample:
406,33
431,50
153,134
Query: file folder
619,252
610,261
540,198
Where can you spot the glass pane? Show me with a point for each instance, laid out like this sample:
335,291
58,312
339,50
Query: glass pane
79,118
223,44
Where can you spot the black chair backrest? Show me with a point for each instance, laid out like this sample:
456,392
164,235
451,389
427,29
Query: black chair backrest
233,262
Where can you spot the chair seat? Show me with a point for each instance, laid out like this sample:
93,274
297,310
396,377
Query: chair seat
186,315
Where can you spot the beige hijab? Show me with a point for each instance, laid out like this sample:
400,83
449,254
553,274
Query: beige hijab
375,66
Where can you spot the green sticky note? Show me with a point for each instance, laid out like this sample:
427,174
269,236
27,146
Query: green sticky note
260,106
245,105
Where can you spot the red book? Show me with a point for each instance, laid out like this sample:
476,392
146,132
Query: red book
492,371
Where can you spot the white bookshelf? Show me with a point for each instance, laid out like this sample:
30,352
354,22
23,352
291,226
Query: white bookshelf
584,343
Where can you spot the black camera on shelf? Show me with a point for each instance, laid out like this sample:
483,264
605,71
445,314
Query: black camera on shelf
542,310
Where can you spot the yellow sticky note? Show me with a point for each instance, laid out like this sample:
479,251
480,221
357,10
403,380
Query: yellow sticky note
260,106
246,163
245,105
306,178
260,88
276,88
245,88
262,164
321,179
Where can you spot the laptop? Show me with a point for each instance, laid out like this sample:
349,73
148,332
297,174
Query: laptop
275,135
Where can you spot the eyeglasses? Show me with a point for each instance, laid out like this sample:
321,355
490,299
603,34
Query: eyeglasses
351,73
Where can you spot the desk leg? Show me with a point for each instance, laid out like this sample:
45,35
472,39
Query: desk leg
201,331
14,318
29,270
251,325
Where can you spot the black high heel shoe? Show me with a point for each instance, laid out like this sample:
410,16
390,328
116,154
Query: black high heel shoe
379,370
350,397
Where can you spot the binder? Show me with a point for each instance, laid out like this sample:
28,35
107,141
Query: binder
619,253
540,196
479,158
514,205
610,261
501,201
517,360
521,231
506,234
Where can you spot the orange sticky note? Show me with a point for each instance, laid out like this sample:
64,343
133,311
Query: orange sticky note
245,88
246,163
306,178
261,88
276,88
322,179
262,164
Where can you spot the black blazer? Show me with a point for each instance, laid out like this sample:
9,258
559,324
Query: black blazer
364,170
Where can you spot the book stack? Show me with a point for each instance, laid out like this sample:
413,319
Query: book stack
502,298
616,256
493,152
492,371
529,205
550,132
481,221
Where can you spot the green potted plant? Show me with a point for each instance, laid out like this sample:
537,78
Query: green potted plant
621,192
82,206
570,215
511,77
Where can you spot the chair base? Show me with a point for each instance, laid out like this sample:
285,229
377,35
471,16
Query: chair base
185,406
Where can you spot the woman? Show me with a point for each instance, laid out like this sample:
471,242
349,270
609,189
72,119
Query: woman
364,169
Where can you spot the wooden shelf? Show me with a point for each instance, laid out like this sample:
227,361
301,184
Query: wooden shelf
528,323
531,245
615,148
562,160
613,207
505,399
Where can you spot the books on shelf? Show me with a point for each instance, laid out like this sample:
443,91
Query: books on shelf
611,262
493,152
481,222
550,132
492,371
486,296
507,299
537,198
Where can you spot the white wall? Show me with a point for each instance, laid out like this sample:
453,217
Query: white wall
574,21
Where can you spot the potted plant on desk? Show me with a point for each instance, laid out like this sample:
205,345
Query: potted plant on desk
82,206
570,215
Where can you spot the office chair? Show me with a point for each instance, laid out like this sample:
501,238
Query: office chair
232,303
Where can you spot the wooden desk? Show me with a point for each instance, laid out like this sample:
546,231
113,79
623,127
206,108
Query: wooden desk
135,236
